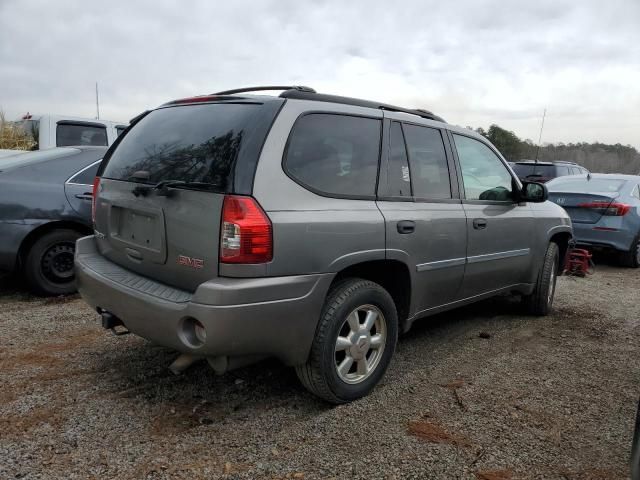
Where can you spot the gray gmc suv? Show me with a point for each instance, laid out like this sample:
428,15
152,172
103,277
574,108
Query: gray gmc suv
312,228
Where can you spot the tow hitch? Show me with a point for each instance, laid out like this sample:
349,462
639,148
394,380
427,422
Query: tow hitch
578,262
111,322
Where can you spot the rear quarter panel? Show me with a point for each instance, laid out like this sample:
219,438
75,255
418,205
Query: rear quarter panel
313,233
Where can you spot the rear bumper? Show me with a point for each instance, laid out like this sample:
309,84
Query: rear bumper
272,316
621,239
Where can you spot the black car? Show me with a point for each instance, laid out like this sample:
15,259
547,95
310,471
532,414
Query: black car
45,206
531,171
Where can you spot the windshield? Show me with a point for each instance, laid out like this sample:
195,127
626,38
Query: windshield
582,185
190,143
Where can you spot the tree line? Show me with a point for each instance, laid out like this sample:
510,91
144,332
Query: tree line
597,157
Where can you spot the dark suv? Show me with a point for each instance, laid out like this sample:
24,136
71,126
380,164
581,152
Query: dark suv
312,228
529,170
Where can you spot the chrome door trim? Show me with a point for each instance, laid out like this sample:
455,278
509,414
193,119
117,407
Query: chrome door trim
498,255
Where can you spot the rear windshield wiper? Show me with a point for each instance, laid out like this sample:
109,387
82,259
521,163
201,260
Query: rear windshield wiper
163,187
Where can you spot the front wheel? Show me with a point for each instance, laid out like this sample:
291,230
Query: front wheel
541,300
354,342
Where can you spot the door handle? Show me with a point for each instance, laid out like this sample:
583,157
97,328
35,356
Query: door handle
84,196
479,223
406,226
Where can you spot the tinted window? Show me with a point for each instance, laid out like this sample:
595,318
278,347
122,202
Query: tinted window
194,143
398,176
524,170
583,185
78,134
85,177
335,154
484,175
429,169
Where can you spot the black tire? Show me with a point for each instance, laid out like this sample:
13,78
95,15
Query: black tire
541,300
631,259
48,266
320,374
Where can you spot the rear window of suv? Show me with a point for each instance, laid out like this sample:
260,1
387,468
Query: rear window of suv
334,155
191,143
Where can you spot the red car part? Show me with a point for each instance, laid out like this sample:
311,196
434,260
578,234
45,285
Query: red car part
578,262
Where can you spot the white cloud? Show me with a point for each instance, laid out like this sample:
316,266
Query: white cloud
474,63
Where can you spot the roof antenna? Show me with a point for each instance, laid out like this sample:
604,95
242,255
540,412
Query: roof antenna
540,137
97,103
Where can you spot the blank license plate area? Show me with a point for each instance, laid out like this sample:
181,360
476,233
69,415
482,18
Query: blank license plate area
138,228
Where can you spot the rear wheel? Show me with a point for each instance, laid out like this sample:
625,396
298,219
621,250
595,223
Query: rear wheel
631,258
541,300
354,342
48,265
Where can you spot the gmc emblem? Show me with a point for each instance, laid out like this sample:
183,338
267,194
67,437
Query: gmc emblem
190,262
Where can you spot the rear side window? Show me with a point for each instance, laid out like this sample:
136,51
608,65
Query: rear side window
69,134
334,154
86,176
191,143
562,171
398,175
428,160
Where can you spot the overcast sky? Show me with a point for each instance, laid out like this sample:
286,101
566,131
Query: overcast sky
472,62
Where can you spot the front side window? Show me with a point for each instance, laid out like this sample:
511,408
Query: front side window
484,175
334,154
120,129
69,134
562,171
398,174
428,160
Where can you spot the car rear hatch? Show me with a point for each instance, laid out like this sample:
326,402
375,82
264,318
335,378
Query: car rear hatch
163,185
584,207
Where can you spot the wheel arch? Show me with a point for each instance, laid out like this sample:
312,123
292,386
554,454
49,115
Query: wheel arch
562,239
45,228
392,275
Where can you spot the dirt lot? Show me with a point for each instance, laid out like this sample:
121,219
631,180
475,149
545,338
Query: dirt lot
481,392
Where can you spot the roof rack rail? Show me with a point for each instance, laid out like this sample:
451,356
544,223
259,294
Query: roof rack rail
319,97
298,88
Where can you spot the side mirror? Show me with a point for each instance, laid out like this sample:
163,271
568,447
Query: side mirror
534,192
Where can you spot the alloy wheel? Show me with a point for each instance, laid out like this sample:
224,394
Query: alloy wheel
360,344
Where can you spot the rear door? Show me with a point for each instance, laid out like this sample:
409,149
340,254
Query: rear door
425,222
172,234
78,190
499,230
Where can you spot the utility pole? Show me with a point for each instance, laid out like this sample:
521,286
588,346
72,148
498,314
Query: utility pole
540,137
97,103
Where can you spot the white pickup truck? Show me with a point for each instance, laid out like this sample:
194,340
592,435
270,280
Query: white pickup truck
63,131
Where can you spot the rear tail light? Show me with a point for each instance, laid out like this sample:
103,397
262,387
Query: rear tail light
94,198
612,209
246,234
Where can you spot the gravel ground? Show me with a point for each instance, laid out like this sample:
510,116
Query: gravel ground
479,393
